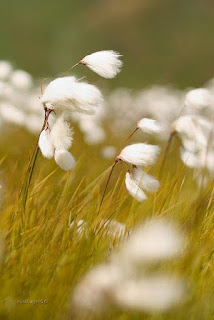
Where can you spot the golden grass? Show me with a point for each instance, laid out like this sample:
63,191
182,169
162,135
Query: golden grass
44,258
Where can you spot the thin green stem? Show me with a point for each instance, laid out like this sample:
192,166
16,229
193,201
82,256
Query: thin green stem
31,165
172,134
107,182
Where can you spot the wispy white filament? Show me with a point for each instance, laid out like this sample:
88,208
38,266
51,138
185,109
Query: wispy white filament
46,145
68,94
145,181
149,126
134,189
106,63
64,159
61,134
140,154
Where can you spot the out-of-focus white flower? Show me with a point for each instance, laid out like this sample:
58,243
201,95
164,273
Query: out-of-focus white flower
61,134
140,154
64,159
5,69
190,159
114,228
134,189
149,126
144,180
198,98
46,145
33,123
11,114
150,294
193,130
97,135
108,152
6,91
94,292
68,94
155,241
21,80
106,63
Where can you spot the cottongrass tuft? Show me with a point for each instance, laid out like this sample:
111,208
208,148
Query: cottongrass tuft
149,126
154,241
134,189
120,283
198,98
106,63
64,159
61,134
69,94
140,154
45,144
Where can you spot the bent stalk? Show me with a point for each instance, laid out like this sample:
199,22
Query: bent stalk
31,165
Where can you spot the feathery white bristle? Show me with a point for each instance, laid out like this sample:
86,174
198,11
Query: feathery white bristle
133,188
140,154
61,134
145,181
149,126
45,144
64,159
106,63
69,94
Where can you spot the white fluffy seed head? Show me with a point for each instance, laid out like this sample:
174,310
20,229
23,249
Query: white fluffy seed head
149,126
198,98
21,80
140,154
61,134
145,181
106,63
5,69
64,159
149,294
155,241
46,145
194,131
133,188
68,94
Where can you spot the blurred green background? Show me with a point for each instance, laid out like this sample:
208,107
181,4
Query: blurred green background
163,41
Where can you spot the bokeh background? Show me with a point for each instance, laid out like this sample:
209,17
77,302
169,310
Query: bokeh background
163,41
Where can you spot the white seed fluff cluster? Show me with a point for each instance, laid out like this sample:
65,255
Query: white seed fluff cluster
56,142
149,126
137,181
125,283
106,63
197,151
69,94
140,154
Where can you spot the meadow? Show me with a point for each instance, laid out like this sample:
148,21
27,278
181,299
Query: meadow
48,248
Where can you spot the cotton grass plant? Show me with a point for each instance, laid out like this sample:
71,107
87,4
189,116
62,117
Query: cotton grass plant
132,254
